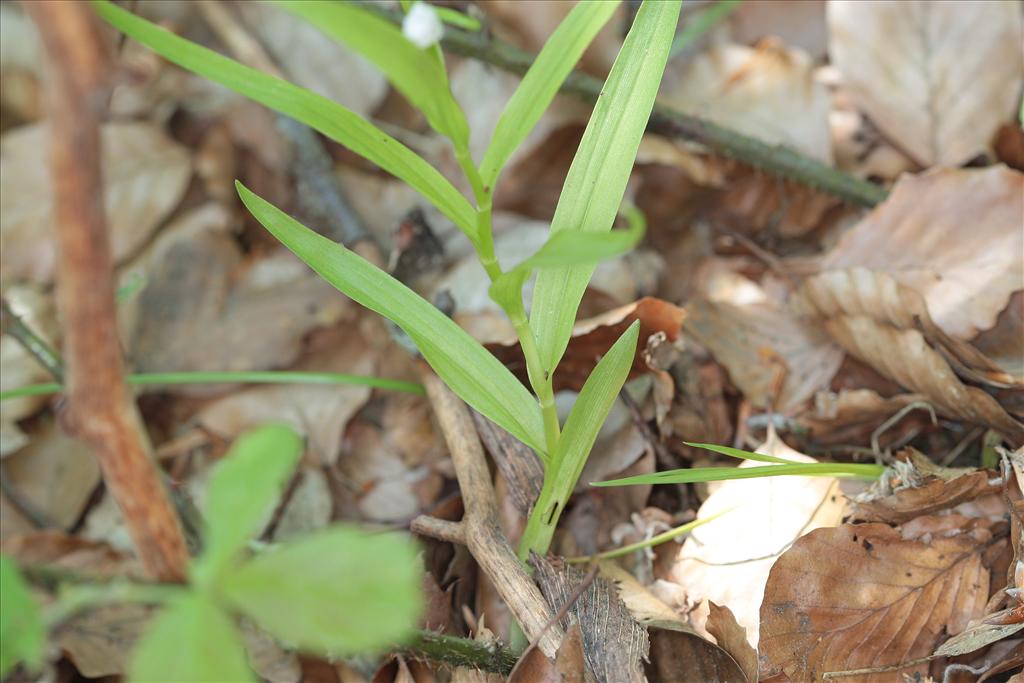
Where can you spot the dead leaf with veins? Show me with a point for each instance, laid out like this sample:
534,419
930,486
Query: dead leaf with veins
145,174
937,77
953,235
861,596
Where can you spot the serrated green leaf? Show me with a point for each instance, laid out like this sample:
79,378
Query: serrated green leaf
701,474
243,490
468,368
22,633
340,591
414,72
330,118
540,84
600,170
190,641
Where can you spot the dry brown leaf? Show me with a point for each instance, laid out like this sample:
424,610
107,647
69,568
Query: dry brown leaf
927,497
18,368
768,92
144,175
976,636
308,57
728,560
202,303
99,642
308,508
887,326
54,473
21,62
954,236
732,638
1004,343
938,77
861,596
799,24
72,553
851,415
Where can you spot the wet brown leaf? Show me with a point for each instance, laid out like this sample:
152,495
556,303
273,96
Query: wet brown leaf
144,174
937,77
861,596
887,326
953,235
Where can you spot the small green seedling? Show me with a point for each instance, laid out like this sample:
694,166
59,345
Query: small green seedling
340,591
580,236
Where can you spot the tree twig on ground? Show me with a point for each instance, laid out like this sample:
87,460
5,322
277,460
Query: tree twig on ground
35,345
100,408
479,529
487,656
671,123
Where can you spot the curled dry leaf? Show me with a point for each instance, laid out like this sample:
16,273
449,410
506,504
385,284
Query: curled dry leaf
728,560
937,77
851,415
927,495
861,596
768,92
144,175
591,339
953,235
887,326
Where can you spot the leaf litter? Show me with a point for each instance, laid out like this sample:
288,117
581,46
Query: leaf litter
771,314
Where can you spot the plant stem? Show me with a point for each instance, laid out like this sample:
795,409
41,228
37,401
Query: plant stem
254,377
493,657
35,345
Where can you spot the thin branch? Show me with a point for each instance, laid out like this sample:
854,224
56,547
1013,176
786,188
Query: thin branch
100,408
479,527
476,654
35,345
671,123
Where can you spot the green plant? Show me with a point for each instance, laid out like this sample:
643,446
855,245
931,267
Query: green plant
339,591
580,231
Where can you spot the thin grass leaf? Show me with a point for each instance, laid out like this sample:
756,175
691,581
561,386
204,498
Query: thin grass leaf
658,539
328,117
414,72
467,367
597,178
701,23
538,87
701,474
742,455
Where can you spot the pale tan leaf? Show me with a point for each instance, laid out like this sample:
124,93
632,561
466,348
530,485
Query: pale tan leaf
99,642
144,176
938,77
728,560
768,92
887,326
799,24
953,235
861,596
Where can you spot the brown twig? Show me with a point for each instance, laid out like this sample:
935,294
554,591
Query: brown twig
100,409
479,529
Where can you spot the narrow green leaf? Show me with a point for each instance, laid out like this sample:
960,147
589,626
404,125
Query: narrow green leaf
244,488
465,366
540,84
701,23
338,592
742,455
597,178
317,112
699,474
190,641
414,72
22,633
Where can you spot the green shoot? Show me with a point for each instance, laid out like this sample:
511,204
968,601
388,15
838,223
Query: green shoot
868,472
701,23
651,542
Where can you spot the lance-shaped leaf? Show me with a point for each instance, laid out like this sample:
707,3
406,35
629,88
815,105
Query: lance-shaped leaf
414,72
597,178
243,490
317,112
467,367
538,87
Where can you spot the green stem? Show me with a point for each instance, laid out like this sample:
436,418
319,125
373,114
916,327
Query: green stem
540,526
650,542
260,377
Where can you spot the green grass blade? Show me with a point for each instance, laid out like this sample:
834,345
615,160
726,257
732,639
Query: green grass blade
742,455
701,474
235,377
538,87
317,112
704,21
581,428
597,178
414,72
658,539
465,366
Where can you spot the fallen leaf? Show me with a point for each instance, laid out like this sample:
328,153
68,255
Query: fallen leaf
732,638
99,642
887,326
798,24
938,78
268,659
851,415
1004,343
21,62
144,174
976,636
861,596
767,92
72,553
308,508
728,560
953,235
17,367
